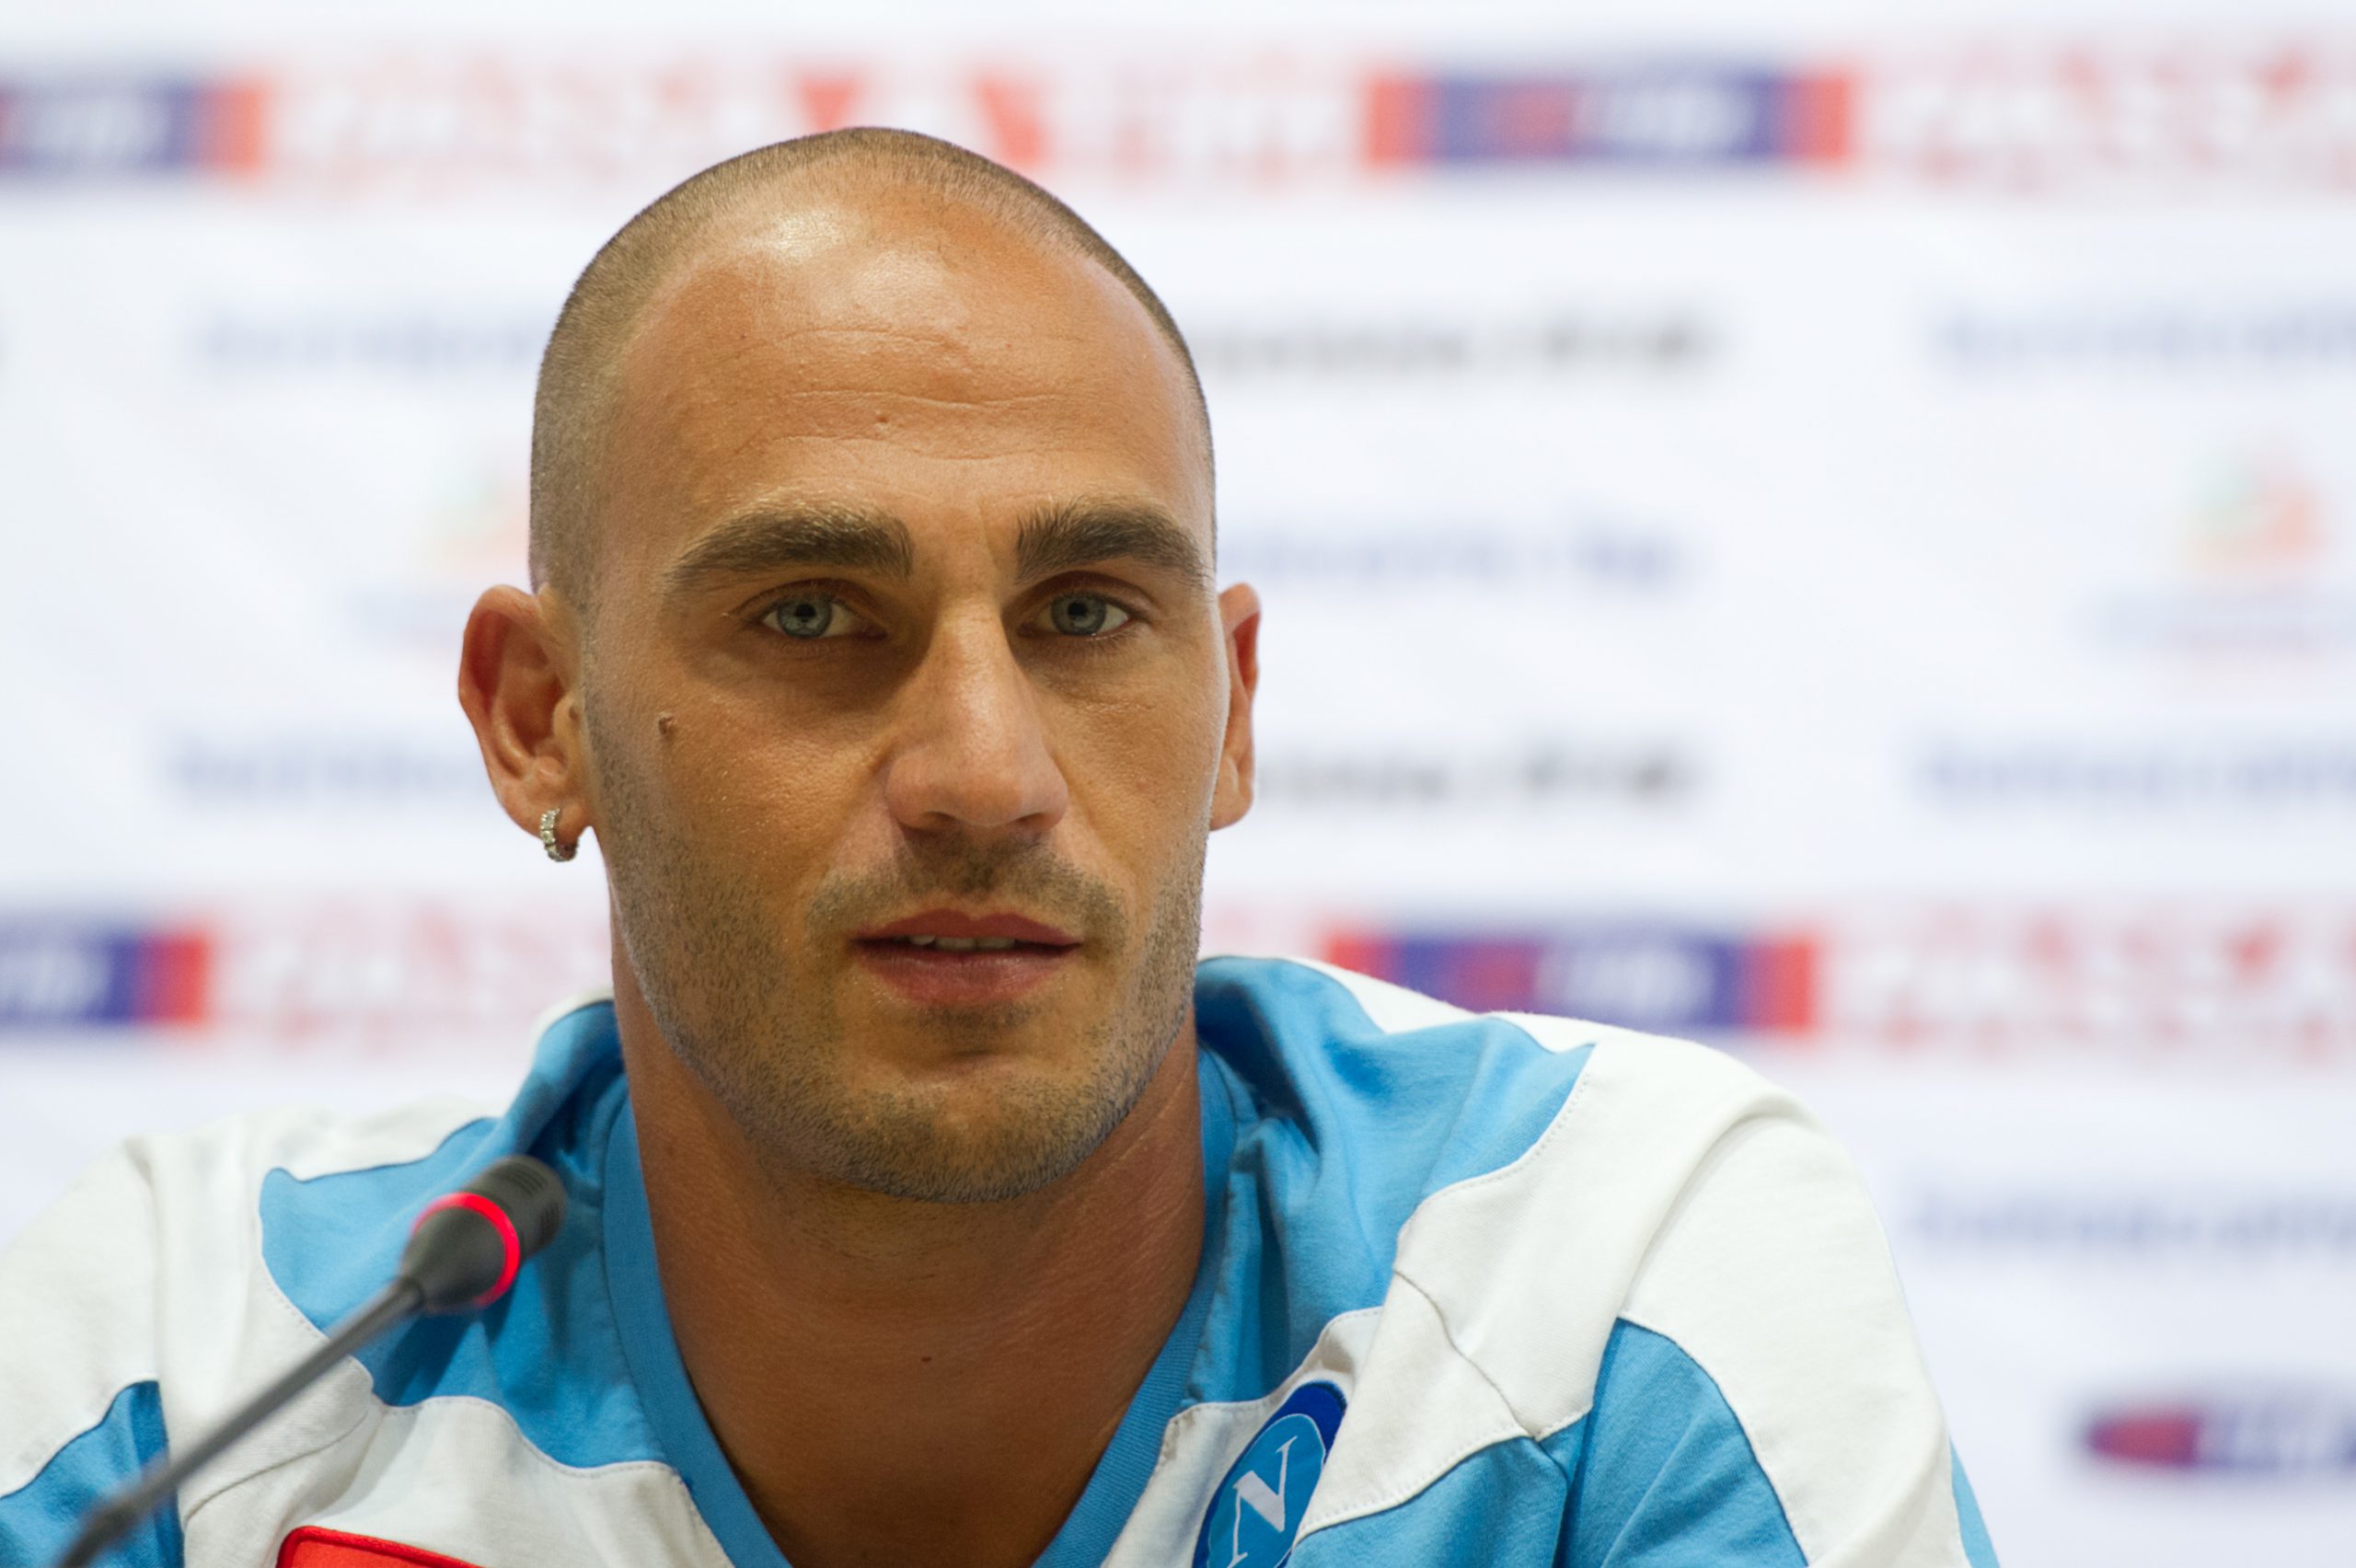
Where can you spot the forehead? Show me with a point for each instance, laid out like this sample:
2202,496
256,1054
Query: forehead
912,355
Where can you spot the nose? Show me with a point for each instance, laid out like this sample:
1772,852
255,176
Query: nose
972,752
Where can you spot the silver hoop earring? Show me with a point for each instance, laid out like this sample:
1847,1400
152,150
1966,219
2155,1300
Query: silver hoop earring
547,836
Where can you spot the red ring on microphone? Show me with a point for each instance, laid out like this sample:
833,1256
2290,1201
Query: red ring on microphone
491,1211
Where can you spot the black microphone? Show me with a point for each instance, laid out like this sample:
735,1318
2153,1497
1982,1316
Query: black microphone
462,1255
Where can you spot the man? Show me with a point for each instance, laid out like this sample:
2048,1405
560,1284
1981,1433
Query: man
929,1205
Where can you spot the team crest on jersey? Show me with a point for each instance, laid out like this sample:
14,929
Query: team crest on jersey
1256,1511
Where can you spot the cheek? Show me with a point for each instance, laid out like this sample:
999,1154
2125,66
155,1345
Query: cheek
744,780
1147,757
779,776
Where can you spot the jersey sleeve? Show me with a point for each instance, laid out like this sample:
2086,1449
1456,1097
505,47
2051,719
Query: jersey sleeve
79,1405
1762,1400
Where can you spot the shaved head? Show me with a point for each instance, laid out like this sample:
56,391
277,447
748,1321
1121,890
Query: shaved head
577,400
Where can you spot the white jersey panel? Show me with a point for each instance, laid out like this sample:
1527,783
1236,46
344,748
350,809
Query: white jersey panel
77,1313
420,1474
1736,1229
1771,1273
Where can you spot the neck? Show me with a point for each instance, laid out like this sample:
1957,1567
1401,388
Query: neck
895,1380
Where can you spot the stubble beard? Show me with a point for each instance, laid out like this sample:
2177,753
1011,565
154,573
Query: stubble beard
751,1013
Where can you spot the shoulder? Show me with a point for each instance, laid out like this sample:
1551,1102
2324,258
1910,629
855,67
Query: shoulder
1512,1171
187,1267
1615,1238
151,1244
1453,1096
1497,1125
332,1217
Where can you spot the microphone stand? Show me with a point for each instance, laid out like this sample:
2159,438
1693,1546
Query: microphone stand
402,1298
462,1255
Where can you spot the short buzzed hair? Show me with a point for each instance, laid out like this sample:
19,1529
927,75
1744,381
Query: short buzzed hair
573,402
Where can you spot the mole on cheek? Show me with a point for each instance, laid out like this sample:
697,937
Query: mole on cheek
665,724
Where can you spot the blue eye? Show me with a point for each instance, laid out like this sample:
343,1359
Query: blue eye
808,617
1085,614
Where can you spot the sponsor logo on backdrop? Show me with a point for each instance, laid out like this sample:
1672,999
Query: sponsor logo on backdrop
1652,774
1664,979
2259,984
83,125
2027,116
475,532
2172,340
1601,554
299,771
2091,776
2255,569
1556,343
2290,1434
406,345
2259,520
2035,116
1665,115
2255,985
61,974
378,971
2227,1230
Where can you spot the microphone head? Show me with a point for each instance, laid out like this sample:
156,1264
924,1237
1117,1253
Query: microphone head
531,1194
467,1245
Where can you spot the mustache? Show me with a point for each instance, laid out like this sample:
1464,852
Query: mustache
1029,879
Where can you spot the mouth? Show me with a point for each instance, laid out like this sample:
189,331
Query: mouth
949,958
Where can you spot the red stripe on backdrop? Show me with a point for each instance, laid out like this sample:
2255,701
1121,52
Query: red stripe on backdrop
2170,1438
176,979
235,132
1779,986
1400,122
1823,128
1359,954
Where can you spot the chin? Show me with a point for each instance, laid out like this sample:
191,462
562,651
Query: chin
998,1133
989,1121
977,1074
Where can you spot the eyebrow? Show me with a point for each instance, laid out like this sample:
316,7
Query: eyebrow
1071,535
845,539
1064,536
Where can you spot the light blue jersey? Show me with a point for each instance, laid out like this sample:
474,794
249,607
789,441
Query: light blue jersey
1476,1290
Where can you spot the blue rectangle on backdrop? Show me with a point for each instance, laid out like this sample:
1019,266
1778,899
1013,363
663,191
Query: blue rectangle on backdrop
95,127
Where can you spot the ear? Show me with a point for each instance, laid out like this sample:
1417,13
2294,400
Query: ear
517,680
1238,616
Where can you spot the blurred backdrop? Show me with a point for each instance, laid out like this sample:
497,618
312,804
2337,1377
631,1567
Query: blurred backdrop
1829,531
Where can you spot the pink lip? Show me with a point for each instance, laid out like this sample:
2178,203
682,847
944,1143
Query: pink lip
955,923
932,978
